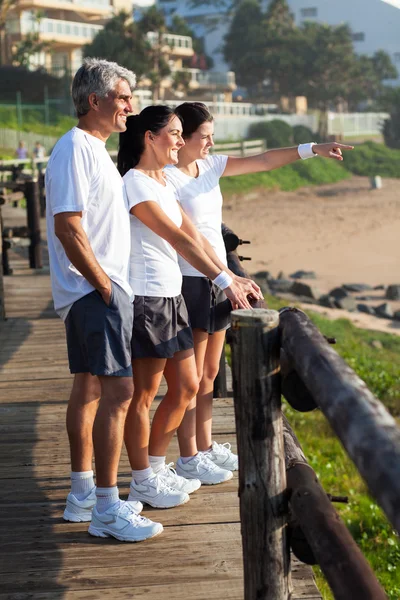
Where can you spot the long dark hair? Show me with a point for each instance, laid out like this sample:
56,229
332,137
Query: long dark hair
192,115
131,141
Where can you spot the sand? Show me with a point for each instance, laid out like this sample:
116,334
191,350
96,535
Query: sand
345,232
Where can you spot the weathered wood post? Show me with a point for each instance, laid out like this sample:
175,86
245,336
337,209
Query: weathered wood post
33,216
2,300
262,479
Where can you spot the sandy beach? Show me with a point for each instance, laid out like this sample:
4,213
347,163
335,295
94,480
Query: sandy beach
345,232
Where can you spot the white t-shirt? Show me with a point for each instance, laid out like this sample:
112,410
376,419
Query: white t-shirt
201,199
154,269
80,176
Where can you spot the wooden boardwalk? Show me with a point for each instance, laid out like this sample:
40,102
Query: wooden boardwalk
198,557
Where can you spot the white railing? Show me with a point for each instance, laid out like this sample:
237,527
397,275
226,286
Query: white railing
345,124
170,39
210,78
59,27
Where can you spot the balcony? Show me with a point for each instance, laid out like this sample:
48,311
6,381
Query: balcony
210,80
102,8
68,33
174,45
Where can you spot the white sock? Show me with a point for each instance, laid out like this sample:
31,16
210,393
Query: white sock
106,497
82,483
157,462
208,450
186,459
142,474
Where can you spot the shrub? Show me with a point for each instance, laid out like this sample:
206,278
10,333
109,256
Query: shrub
372,159
303,134
276,133
391,127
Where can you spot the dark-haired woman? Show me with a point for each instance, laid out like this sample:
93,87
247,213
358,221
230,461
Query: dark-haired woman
162,341
196,182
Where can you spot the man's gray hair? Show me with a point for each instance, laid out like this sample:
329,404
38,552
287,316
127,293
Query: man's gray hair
97,76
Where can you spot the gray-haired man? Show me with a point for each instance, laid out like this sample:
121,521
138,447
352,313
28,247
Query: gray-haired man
89,246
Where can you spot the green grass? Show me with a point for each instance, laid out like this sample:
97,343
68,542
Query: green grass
380,369
372,159
33,121
291,177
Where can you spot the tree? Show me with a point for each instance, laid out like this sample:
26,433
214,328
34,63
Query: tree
5,6
30,45
391,127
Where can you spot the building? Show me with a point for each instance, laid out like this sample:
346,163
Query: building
375,23
67,24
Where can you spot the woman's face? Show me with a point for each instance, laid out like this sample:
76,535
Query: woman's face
167,142
200,142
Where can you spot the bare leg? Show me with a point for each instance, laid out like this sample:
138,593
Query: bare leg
187,429
205,395
81,413
181,375
108,429
147,377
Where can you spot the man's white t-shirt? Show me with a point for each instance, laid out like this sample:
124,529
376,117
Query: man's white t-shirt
201,199
154,268
81,177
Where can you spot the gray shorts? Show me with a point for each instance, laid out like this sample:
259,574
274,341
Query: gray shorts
160,327
99,336
207,304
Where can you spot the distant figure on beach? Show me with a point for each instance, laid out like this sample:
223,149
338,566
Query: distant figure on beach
21,151
39,152
89,249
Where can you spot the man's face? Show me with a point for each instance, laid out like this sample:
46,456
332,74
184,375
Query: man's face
114,109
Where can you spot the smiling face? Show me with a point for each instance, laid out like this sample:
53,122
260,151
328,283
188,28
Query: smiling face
112,111
200,142
166,143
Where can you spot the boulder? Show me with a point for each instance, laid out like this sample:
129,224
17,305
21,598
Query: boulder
393,292
379,287
304,289
339,292
365,308
328,301
346,303
377,344
281,275
384,311
357,287
280,285
396,315
303,275
263,275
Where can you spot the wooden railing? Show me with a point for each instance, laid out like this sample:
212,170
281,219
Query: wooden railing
282,504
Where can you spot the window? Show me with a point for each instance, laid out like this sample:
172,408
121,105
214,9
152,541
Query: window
358,37
309,12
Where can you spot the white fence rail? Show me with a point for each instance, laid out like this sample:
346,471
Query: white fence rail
10,138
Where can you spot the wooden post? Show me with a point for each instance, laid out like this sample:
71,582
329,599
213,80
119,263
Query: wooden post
367,431
262,479
2,300
33,217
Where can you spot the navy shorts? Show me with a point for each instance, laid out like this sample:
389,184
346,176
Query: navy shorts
207,304
99,336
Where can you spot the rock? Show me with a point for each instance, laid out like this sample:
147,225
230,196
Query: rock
281,275
263,275
303,275
365,308
328,301
384,311
346,303
396,315
303,289
357,287
379,287
393,292
338,293
365,298
280,285
377,344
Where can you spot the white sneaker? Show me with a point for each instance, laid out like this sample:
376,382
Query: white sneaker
222,456
171,478
123,523
79,511
200,467
156,492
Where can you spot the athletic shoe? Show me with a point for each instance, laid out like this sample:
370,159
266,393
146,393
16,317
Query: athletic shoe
222,456
200,467
171,478
156,492
123,523
80,511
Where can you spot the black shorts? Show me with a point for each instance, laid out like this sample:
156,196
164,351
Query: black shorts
99,336
207,304
160,327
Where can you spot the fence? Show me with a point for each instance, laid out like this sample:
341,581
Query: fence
10,138
281,500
